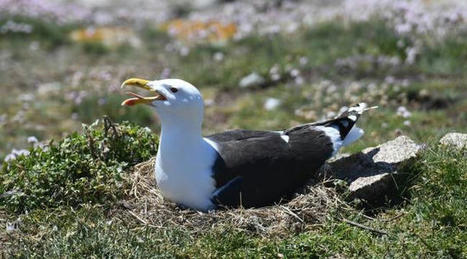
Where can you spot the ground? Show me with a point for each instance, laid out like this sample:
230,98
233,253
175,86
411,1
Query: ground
403,57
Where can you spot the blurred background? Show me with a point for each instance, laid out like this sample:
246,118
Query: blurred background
262,64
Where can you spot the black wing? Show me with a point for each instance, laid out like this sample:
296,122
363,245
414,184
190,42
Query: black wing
258,168
240,134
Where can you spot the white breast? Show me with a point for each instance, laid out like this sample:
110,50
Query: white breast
186,177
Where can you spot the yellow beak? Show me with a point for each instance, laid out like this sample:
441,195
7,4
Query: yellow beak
138,99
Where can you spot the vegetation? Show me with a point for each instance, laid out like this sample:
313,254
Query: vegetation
431,223
82,168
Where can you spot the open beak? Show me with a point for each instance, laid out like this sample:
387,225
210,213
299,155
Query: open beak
138,99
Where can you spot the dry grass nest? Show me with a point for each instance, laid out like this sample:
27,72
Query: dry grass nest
308,209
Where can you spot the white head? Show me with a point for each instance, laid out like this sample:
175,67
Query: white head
175,101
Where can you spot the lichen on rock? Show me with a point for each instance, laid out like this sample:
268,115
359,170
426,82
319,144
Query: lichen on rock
454,139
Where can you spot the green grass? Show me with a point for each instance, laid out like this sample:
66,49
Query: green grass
430,224
445,58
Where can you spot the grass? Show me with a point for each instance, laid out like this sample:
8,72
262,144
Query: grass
79,204
430,224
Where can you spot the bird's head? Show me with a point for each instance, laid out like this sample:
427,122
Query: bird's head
173,99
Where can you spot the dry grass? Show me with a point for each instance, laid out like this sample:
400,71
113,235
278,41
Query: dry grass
307,210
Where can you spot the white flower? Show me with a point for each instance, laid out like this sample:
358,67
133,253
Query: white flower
299,80
274,69
15,153
184,51
275,77
11,226
11,26
32,139
10,157
403,112
411,55
218,56
403,28
19,152
294,72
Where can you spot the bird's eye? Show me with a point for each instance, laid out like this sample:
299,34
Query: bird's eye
173,89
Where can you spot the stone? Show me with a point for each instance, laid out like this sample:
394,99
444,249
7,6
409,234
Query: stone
454,139
398,150
253,79
271,104
373,174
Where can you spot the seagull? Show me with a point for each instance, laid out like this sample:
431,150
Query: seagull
236,168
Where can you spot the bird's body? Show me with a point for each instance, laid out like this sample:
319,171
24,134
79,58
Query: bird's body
265,166
239,167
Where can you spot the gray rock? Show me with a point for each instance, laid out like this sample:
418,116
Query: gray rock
250,80
395,151
373,174
271,104
454,139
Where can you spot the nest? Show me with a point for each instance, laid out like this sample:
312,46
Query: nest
306,210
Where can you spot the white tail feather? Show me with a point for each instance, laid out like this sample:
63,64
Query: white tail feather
361,107
334,134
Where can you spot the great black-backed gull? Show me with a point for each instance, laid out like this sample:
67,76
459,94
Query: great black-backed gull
235,168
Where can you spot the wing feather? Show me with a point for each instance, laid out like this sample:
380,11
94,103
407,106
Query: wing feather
269,166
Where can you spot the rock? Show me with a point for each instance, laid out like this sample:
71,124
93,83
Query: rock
454,139
395,151
373,174
271,104
250,80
